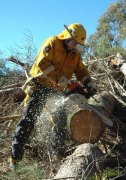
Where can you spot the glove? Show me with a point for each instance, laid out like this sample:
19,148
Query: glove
63,82
91,88
72,86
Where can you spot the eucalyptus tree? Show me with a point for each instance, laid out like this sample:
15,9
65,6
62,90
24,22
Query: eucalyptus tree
110,36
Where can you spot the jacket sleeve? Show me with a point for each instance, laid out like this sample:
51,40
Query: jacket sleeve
81,71
44,59
45,55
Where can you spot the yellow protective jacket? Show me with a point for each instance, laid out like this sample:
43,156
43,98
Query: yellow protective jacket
54,61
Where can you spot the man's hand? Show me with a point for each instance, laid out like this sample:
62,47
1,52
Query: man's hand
88,84
62,83
91,88
58,87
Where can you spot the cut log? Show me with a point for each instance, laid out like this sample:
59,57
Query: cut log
86,161
85,122
104,102
86,126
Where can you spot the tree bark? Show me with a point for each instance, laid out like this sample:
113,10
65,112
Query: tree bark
83,163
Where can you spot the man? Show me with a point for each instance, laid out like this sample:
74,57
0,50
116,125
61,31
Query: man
54,66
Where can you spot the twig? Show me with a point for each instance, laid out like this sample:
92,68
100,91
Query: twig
119,99
16,61
111,85
12,86
4,118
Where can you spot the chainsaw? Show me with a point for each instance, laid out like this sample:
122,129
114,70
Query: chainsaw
77,87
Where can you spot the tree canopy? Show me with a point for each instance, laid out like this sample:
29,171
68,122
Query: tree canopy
110,36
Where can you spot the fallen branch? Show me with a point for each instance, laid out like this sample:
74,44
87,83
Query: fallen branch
25,66
7,118
16,61
12,86
83,163
16,93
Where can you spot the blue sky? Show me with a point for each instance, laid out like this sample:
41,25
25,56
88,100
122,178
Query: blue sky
44,18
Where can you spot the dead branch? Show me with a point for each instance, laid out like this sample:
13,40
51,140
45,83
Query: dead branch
16,93
7,118
16,61
12,86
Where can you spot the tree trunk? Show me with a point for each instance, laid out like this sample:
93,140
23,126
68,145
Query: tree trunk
85,122
86,161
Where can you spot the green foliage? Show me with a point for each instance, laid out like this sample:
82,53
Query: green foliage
92,178
110,36
110,173
25,171
107,174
